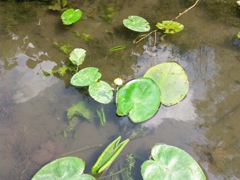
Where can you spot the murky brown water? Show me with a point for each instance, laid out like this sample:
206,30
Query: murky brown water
33,106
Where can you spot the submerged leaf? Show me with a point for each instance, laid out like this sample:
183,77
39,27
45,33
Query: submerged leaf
170,27
71,16
172,81
86,77
109,155
169,163
136,23
101,92
63,168
140,98
79,109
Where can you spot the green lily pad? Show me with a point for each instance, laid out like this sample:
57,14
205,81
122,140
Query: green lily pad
101,92
77,56
136,23
109,155
170,163
63,168
140,98
172,81
170,27
86,76
71,16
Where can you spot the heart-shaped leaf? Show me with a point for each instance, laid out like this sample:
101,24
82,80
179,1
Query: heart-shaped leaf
136,23
109,155
71,16
77,56
101,92
64,168
86,76
140,98
170,163
172,81
170,27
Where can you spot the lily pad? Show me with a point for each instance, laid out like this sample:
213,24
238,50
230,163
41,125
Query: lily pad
169,163
86,76
136,23
172,81
140,98
77,56
71,16
101,92
109,155
170,27
64,168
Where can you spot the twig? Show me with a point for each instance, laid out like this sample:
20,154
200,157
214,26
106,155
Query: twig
79,150
188,9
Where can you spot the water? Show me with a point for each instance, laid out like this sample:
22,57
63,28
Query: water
34,106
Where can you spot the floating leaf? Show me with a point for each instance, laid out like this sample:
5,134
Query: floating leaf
169,163
79,109
77,56
136,23
71,16
101,92
109,155
140,98
170,27
85,77
64,168
172,81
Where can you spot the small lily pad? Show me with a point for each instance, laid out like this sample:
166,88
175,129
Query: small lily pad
77,56
85,77
101,92
170,163
170,27
63,168
136,23
140,98
71,16
172,81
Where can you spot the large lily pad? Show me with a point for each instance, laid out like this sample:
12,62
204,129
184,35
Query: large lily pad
71,16
170,163
172,81
140,98
101,92
77,56
64,168
86,76
109,155
136,23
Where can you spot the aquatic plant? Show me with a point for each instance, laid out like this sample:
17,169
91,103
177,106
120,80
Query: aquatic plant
169,162
66,48
136,23
102,116
63,168
170,27
110,153
77,56
58,5
117,48
238,35
71,16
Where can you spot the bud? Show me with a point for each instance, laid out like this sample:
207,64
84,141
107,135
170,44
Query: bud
118,81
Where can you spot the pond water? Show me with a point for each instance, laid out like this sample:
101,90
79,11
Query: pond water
33,105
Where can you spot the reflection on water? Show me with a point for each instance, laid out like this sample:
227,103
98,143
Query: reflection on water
205,123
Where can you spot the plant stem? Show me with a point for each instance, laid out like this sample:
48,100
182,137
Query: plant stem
184,12
113,174
79,150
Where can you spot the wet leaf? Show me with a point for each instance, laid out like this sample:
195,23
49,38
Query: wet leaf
140,98
172,81
109,155
64,168
170,27
71,16
136,23
101,92
77,56
86,77
169,163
